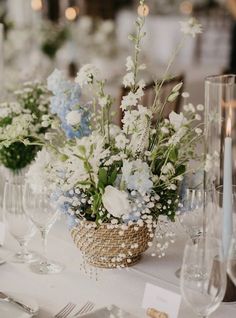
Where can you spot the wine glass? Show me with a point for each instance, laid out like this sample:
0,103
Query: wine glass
203,275
191,212
231,263
39,208
19,224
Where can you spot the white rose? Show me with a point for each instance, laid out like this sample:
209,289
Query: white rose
73,118
177,120
116,202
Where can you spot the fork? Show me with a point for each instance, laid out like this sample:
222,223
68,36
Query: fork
85,309
65,311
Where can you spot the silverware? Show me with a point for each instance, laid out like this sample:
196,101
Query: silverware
65,311
85,309
9,299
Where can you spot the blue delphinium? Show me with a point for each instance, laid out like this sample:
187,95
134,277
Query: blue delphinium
66,99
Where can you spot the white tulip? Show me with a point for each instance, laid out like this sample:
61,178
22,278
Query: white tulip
116,202
73,118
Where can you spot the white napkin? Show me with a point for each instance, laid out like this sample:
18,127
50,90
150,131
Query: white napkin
108,312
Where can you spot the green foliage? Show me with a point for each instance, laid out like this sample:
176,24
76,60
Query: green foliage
17,155
54,38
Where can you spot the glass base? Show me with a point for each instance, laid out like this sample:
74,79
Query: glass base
46,267
26,257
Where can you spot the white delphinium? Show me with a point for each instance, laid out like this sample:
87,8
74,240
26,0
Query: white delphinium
191,27
128,79
129,100
121,141
73,118
87,74
129,63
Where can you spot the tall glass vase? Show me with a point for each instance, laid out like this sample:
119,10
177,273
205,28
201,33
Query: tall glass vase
220,148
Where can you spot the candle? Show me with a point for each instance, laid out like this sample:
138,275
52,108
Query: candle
1,58
227,191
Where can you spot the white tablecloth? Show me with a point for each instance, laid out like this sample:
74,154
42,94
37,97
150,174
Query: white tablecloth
123,288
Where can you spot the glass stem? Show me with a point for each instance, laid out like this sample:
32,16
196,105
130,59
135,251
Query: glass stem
44,235
23,247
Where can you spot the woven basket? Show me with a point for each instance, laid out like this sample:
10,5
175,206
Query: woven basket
111,248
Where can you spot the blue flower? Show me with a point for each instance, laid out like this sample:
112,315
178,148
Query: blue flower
67,98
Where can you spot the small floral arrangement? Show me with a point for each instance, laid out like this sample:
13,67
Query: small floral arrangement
97,37
53,37
21,125
108,174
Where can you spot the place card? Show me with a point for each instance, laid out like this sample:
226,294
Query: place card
162,300
2,233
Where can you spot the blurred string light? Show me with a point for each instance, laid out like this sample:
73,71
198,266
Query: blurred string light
143,10
186,7
71,13
36,5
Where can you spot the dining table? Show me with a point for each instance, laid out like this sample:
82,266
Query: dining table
79,284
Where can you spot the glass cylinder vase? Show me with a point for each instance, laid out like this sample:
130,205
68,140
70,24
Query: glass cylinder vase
220,163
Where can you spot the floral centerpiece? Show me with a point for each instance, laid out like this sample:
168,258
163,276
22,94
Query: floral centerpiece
116,183
21,124
53,36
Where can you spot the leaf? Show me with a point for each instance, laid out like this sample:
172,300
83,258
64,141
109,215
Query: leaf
173,154
5,121
97,201
177,87
102,178
112,177
82,149
173,96
180,170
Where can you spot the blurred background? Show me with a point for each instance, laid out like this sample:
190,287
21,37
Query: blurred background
40,35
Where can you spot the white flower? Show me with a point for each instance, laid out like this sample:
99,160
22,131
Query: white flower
86,75
177,120
142,67
129,63
175,139
185,95
38,176
107,26
191,27
198,131
200,107
73,118
103,101
116,202
165,130
121,141
129,100
198,117
191,108
168,168
85,23
136,175
128,79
